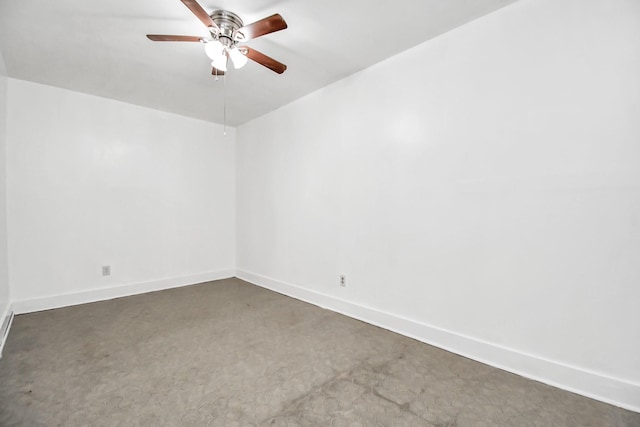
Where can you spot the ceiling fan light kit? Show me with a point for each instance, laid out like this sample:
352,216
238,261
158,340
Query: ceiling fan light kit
227,30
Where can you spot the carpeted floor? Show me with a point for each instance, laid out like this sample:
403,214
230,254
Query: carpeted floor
227,353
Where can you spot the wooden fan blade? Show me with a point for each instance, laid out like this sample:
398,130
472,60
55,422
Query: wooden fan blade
259,28
200,13
216,72
263,59
164,38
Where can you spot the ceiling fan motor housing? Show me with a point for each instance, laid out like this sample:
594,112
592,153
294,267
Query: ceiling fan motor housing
228,23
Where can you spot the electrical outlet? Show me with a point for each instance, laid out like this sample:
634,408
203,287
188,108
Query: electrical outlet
106,270
343,280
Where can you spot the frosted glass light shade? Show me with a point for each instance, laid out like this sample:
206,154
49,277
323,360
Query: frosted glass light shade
239,60
220,62
214,49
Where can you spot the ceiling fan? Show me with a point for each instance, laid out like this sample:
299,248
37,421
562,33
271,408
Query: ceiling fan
226,31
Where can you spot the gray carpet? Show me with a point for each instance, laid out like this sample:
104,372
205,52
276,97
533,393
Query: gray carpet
227,353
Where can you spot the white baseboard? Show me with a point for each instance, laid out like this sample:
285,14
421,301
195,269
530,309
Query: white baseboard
5,324
615,391
93,295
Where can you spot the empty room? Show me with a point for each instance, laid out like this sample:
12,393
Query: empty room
320,213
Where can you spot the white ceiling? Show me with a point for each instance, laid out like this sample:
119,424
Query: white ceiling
100,48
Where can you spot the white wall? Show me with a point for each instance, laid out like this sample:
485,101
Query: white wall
4,275
95,182
480,191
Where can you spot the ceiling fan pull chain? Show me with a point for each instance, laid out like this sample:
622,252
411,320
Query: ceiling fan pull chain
224,102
